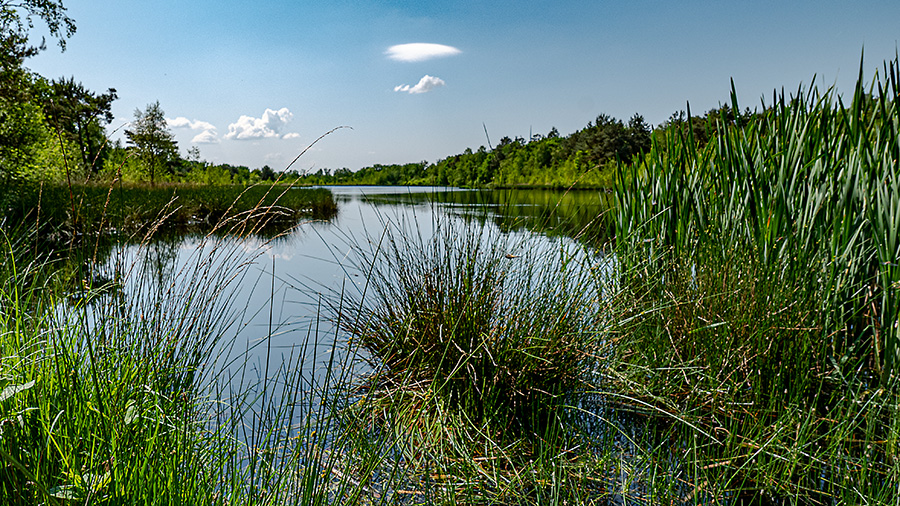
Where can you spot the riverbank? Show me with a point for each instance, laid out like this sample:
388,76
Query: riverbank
88,210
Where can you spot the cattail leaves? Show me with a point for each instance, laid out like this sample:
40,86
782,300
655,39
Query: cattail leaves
809,185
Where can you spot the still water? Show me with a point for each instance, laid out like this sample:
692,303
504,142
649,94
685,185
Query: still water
274,297
272,301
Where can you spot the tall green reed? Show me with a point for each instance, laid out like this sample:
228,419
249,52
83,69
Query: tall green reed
764,312
808,185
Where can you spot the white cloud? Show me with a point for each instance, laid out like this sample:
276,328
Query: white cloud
182,122
206,137
208,132
291,135
419,51
426,84
269,125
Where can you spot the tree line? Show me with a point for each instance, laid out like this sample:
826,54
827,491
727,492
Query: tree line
585,158
56,129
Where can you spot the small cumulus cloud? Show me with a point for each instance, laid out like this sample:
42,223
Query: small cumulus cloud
419,51
267,126
206,137
426,84
208,132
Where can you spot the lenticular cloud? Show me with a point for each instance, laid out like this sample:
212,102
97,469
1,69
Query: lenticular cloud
419,51
426,84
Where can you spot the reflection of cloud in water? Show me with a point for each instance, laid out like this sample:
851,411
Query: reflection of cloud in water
279,248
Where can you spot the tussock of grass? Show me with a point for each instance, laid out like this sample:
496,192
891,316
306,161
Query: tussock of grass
478,346
499,336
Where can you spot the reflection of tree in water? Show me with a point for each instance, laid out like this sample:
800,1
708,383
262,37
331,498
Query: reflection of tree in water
574,213
159,260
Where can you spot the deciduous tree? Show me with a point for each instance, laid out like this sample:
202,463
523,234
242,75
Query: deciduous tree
80,114
23,133
152,141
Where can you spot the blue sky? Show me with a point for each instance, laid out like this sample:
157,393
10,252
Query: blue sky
254,83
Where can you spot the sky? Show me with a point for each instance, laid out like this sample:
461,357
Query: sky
256,82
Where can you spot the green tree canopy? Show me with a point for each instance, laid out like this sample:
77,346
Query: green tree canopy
23,133
80,114
153,142
16,21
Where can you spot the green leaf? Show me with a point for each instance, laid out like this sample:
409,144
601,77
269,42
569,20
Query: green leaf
14,389
68,492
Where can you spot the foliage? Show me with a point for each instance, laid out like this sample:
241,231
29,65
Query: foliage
23,134
43,123
80,114
17,18
377,174
154,143
582,159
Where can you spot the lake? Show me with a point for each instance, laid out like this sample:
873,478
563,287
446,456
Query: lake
269,304
274,296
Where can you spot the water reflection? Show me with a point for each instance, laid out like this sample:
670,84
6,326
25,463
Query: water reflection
574,213
286,277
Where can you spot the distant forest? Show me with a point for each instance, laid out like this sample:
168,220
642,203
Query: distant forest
583,159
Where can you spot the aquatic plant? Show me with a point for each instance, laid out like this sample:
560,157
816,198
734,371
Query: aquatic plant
762,273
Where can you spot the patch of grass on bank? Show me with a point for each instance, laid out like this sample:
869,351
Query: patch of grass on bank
91,209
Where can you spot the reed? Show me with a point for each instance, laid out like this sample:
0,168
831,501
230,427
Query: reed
762,273
809,187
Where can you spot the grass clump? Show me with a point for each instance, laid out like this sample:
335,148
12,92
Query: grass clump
479,346
499,336
100,407
143,397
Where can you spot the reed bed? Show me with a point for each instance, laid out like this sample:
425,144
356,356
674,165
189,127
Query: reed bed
129,211
762,270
